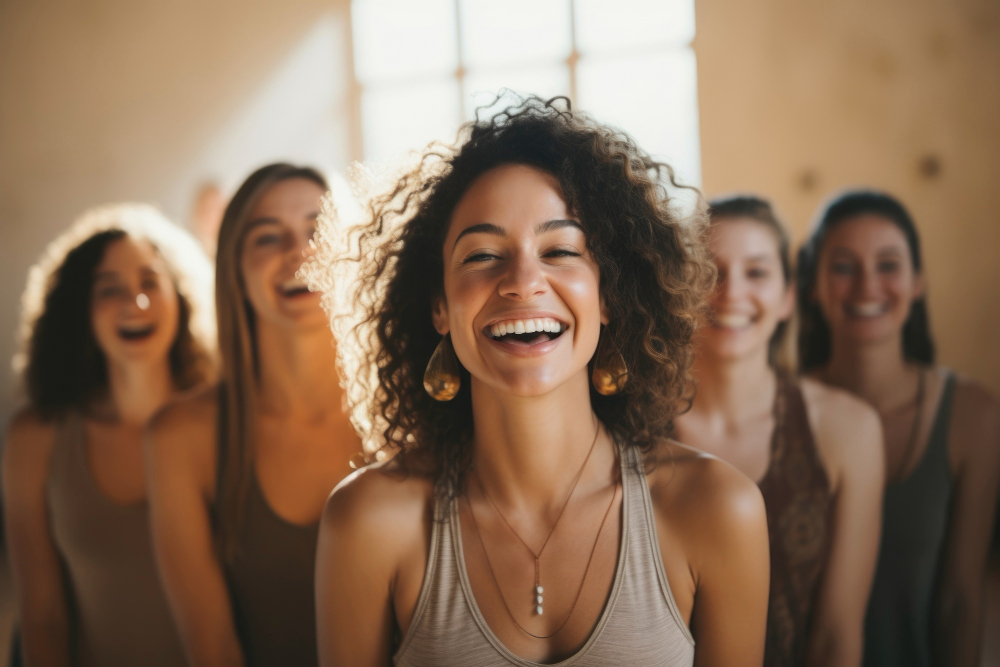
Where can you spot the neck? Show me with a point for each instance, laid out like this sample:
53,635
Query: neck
876,372
298,372
137,391
529,450
734,389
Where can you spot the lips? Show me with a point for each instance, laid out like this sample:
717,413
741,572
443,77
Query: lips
525,331
136,332
867,309
732,321
293,288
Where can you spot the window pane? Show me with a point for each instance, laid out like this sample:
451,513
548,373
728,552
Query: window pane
482,87
397,119
514,31
396,39
654,98
602,25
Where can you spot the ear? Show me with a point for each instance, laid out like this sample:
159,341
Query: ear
605,318
788,302
919,286
439,315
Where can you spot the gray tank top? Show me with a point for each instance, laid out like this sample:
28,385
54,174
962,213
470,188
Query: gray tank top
640,624
914,528
118,611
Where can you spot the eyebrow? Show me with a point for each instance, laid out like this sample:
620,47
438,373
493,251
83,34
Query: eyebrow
496,230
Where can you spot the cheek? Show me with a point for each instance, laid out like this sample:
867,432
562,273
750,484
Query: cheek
103,319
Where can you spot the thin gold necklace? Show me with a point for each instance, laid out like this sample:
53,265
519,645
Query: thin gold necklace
538,590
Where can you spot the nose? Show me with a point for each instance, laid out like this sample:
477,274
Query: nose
298,247
731,286
866,284
524,278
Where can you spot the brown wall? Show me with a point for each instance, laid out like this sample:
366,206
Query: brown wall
798,99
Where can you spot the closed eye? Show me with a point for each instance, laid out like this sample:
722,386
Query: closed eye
479,257
562,253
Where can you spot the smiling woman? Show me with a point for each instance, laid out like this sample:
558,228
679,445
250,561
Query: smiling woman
117,321
531,518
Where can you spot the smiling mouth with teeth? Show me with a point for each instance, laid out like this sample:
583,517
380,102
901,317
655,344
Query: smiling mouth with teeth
867,309
136,333
528,331
293,288
732,321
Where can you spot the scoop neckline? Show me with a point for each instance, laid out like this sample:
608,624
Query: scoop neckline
609,605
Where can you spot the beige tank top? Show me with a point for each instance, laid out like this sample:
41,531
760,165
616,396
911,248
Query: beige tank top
118,610
640,624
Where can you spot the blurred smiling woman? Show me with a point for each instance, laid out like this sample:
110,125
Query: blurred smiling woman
239,473
529,517
862,300
117,321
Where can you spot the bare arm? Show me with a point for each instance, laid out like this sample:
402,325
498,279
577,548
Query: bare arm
730,560
975,431
849,435
369,565
180,462
38,578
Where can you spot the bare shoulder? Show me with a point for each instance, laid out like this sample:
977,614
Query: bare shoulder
975,420
182,436
704,496
382,502
29,442
832,408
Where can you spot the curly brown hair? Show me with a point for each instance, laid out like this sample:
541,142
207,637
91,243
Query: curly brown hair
654,273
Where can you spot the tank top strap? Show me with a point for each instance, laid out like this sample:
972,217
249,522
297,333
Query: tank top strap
937,446
68,469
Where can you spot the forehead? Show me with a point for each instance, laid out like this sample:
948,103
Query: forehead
291,198
511,196
735,238
866,233
129,253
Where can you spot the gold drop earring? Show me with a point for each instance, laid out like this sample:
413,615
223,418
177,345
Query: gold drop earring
441,378
610,372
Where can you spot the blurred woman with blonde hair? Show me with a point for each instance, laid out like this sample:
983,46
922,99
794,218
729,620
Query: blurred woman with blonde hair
116,321
239,473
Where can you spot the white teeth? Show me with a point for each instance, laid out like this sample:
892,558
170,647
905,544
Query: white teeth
731,321
868,309
536,325
292,284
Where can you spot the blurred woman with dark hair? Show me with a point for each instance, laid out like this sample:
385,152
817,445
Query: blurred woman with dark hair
524,318
239,473
814,451
117,320
864,327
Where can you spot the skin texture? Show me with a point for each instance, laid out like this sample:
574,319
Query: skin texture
534,427
139,384
865,268
302,446
732,417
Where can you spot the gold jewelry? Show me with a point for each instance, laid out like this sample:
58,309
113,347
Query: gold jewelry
610,372
441,379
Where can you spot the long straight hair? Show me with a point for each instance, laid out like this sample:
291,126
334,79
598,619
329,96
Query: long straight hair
815,340
239,353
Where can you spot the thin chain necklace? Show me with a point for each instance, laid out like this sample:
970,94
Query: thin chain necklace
914,429
538,590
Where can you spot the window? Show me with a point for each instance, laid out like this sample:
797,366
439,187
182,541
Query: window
424,66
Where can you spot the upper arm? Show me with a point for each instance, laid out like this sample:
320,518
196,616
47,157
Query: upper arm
975,429
180,461
731,562
848,433
35,561
371,524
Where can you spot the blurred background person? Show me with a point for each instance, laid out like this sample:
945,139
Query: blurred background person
239,474
815,452
206,215
116,322
864,327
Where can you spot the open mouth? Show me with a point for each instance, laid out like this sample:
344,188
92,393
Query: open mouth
732,321
293,288
527,331
136,333
867,309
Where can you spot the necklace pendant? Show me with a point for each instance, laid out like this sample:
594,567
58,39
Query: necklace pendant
538,600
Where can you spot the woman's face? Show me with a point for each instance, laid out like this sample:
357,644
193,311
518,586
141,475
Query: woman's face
275,244
751,296
865,280
134,304
521,291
